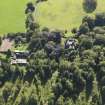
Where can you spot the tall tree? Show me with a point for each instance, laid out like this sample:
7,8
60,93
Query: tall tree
89,5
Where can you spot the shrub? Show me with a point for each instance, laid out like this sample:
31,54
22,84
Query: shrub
103,95
99,40
99,30
86,43
89,5
84,28
90,21
100,19
74,30
30,8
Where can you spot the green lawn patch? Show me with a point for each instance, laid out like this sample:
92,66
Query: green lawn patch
12,17
63,14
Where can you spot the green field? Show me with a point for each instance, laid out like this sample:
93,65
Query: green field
60,14
63,14
12,15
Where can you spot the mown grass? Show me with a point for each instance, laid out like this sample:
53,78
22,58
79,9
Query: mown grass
63,14
60,14
12,17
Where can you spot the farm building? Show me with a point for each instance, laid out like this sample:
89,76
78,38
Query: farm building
19,57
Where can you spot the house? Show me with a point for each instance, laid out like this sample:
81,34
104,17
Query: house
19,61
19,57
6,45
71,44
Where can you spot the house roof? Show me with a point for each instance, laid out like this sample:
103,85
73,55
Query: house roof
6,45
19,61
18,51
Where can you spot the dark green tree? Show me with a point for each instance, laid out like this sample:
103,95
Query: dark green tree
89,5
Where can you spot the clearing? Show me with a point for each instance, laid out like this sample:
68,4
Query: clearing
60,14
63,14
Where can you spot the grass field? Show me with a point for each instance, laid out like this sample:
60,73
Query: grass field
63,14
12,15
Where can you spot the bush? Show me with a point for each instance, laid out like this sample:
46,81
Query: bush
30,8
99,40
99,30
84,28
74,30
90,21
86,42
55,36
38,1
100,19
89,5
103,95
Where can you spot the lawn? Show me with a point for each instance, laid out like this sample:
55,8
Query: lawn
12,17
63,14
60,14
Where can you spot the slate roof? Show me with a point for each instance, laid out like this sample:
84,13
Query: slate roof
19,61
